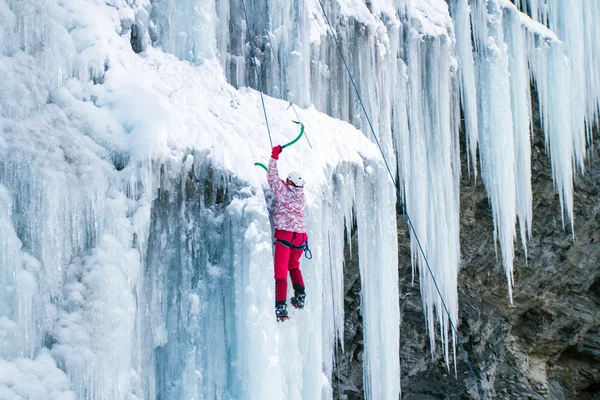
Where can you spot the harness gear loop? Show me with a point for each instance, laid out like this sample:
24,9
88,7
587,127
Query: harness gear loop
303,246
307,252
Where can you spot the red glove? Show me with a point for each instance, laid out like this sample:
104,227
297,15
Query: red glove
276,150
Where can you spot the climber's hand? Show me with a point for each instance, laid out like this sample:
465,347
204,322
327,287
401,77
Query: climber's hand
276,151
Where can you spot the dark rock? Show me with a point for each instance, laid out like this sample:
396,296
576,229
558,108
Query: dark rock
136,41
546,345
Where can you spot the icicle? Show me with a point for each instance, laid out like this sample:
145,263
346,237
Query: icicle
460,11
429,171
378,261
572,70
550,70
521,112
497,147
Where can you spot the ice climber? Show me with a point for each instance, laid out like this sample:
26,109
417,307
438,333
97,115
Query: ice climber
290,235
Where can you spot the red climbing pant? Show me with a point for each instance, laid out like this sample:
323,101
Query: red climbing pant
288,258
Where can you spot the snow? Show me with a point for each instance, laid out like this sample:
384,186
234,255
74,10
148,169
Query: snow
432,16
529,24
34,379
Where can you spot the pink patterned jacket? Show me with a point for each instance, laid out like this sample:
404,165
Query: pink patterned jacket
289,207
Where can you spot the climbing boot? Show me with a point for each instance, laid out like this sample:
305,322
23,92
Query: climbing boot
281,311
298,300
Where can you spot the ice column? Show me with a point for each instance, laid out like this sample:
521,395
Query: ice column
496,135
288,51
568,87
366,196
378,262
521,112
328,221
369,39
428,162
19,274
461,13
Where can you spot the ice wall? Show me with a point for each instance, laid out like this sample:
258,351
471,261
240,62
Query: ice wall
136,243
185,28
414,68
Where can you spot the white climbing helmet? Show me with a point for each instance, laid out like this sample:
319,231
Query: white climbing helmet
296,178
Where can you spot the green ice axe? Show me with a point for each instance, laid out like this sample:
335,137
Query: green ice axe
298,137
261,165
287,144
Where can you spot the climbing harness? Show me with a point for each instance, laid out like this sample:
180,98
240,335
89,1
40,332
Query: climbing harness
404,206
303,246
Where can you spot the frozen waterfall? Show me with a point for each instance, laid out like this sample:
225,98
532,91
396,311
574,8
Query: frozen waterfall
135,240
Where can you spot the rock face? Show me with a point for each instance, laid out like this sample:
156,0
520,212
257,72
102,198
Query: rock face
546,345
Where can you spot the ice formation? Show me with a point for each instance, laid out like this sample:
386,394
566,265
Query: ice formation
136,243
134,232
